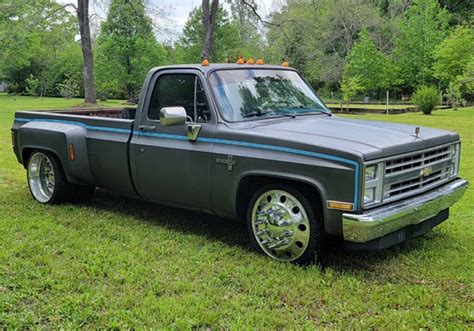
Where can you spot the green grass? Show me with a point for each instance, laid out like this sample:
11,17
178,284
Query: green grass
369,106
115,262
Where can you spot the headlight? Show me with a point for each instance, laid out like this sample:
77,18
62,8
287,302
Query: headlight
370,172
369,195
455,151
373,174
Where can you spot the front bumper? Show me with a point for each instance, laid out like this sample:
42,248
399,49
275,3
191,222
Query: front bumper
362,228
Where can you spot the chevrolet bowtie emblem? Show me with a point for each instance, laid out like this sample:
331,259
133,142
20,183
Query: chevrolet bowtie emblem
425,172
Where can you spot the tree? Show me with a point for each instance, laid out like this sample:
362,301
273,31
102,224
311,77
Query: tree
316,36
453,54
424,27
209,24
373,68
86,46
227,43
33,38
126,49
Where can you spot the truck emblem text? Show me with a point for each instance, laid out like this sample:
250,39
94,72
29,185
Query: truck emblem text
230,162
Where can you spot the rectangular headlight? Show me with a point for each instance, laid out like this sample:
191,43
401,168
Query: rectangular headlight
369,195
370,172
455,151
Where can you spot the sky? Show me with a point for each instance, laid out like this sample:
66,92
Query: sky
174,13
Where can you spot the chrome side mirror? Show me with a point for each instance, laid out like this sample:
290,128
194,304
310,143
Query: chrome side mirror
172,116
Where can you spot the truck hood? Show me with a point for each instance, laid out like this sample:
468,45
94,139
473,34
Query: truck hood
372,139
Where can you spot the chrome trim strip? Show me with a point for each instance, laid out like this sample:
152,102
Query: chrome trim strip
374,224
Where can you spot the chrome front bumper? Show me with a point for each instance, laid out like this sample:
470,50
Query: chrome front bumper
361,228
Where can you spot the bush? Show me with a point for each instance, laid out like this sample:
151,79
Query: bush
426,98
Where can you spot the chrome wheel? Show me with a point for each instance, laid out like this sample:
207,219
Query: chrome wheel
280,225
41,177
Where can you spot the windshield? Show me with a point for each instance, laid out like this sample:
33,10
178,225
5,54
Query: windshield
263,93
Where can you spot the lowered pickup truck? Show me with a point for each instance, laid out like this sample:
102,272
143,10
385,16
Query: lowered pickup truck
253,143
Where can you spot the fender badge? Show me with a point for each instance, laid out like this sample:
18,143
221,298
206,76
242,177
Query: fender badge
229,162
425,172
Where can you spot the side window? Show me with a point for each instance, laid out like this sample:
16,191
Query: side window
179,90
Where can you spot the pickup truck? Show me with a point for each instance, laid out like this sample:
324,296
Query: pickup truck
254,143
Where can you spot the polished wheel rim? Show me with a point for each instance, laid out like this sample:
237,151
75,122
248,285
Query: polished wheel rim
41,177
280,225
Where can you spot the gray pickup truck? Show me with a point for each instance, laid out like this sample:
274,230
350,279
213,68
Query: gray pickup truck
253,143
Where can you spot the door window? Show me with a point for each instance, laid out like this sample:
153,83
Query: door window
180,90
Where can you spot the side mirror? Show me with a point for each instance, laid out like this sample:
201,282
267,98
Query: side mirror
172,116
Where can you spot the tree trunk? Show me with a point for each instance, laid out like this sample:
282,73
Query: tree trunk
209,25
83,16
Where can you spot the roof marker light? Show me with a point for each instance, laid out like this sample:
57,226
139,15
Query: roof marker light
260,61
240,60
250,61
285,64
205,62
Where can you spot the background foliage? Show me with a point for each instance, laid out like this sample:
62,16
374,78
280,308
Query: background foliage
395,45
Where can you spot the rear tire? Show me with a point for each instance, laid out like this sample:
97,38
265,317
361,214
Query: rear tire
286,225
48,183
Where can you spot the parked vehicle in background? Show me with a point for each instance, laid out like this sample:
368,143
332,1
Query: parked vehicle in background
253,143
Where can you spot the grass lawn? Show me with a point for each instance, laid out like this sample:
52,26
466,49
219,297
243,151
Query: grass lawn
369,106
114,262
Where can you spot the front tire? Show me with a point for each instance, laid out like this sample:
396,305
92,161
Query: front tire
285,225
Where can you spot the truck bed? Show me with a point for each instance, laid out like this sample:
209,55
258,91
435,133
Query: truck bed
107,134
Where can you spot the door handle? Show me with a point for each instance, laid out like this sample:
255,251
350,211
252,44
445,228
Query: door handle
146,127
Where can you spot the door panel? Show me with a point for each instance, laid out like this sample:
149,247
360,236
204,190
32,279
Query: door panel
167,166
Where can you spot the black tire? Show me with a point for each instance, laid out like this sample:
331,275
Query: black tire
315,250
62,190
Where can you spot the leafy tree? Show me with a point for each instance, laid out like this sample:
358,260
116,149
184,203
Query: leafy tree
374,69
316,36
453,54
226,40
33,35
350,87
424,27
126,49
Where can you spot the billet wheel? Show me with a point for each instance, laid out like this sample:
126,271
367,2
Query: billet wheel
48,183
285,225
41,177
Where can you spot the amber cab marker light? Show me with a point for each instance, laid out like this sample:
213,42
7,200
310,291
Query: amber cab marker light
250,61
285,64
260,61
240,60
340,205
205,62
72,152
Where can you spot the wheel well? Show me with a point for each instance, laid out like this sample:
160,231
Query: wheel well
248,185
25,155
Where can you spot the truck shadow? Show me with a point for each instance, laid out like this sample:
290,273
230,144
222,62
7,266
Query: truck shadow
234,233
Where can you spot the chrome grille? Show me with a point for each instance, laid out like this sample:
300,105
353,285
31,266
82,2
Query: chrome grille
416,172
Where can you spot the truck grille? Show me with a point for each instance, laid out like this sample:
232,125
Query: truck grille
416,172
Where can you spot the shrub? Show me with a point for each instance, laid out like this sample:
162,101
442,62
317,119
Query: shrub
426,98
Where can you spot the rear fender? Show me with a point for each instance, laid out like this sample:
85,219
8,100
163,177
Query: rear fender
55,138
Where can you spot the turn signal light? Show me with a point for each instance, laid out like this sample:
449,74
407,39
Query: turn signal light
72,152
340,205
205,62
